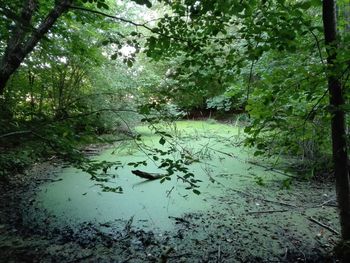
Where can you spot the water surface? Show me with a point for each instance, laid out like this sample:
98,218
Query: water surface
77,199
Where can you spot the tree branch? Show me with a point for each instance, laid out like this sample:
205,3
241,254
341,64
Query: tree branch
110,16
14,133
318,46
144,25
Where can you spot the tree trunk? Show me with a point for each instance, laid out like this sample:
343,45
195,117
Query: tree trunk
17,47
339,145
15,41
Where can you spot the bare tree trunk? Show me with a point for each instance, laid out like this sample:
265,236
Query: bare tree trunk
18,46
339,146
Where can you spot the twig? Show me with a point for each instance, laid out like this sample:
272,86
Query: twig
318,45
327,202
267,211
86,114
285,254
169,191
144,25
252,196
219,254
313,109
225,153
323,225
272,169
186,181
279,202
109,16
14,133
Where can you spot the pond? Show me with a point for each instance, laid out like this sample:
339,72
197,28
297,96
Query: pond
243,213
151,204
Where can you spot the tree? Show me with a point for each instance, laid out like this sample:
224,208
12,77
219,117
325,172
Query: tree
266,26
336,98
26,34
23,39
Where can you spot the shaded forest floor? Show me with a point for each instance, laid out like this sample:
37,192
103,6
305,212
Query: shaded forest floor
247,224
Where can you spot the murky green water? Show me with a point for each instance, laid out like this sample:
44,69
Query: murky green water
77,199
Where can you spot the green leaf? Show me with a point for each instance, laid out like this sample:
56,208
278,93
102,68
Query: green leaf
257,153
102,5
143,2
162,141
129,63
305,5
196,192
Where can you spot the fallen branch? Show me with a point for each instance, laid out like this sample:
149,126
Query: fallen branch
222,152
148,176
252,196
50,180
326,203
267,211
323,225
219,254
273,170
279,202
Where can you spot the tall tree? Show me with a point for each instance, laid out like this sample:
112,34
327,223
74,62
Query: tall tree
23,39
336,96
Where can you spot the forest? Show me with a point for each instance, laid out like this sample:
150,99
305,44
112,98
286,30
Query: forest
174,131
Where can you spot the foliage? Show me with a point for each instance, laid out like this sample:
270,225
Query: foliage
252,56
66,91
266,58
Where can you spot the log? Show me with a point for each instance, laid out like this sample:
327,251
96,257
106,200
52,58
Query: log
148,176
